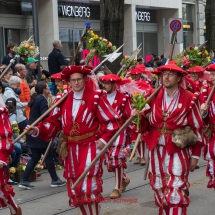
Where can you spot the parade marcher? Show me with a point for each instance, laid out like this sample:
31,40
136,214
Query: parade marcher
209,118
172,110
136,76
196,73
6,148
115,159
79,117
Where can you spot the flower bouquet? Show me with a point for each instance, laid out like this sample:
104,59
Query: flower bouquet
27,49
15,127
138,102
192,57
97,45
127,64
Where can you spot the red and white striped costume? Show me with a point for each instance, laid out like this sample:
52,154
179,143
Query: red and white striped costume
80,116
6,148
169,164
115,159
209,150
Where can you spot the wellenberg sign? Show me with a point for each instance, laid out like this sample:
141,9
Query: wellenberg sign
84,12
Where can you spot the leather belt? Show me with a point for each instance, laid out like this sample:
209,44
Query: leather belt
81,137
164,130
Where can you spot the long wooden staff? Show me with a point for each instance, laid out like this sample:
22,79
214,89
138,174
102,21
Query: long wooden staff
124,126
79,45
41,117
146,168
135,146
46,152
9,65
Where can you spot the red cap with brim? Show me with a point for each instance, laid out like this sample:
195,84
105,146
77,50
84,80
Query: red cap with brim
171,68
69,70
109,78
210,68
196,69
136,71
141,67
57,76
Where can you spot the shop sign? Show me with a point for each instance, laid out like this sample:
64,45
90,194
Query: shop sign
74,11
148,16
187,26
143,16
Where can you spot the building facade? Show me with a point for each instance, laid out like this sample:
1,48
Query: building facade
145,21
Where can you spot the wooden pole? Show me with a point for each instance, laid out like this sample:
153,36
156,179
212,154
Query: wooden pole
41,117
8,67
46,152
146,168
135,147
124,126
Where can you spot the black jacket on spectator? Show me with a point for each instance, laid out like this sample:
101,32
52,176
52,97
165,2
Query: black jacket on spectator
6,60
55,61
38,107
30,76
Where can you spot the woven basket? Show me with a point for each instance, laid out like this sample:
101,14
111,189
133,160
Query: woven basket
19,174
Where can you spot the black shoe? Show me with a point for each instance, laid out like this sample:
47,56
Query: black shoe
25,185
11,182
58,183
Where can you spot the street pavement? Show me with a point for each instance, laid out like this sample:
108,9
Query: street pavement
137,200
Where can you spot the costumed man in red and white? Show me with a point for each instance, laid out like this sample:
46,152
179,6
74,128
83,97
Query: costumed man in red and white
6,148
115,158
196,74
209,118
136,76
62,86
79,117
169,165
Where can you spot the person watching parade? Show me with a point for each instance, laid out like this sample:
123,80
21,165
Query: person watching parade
79,123
173,111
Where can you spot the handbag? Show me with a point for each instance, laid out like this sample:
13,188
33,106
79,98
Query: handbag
62,145
184,137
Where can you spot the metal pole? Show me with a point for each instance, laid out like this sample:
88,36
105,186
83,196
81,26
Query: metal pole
164,35
36,33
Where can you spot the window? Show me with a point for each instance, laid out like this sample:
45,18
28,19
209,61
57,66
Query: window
23,7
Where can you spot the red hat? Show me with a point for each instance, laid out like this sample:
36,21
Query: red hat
210,68
135,71
172,68
141,67
57,76
196,69
110,78
69,70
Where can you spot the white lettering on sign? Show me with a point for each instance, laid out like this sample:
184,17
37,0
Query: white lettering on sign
143,16
75,11
43,58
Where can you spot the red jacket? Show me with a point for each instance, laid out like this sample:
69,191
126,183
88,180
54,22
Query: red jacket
94,111
182,116
6,146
